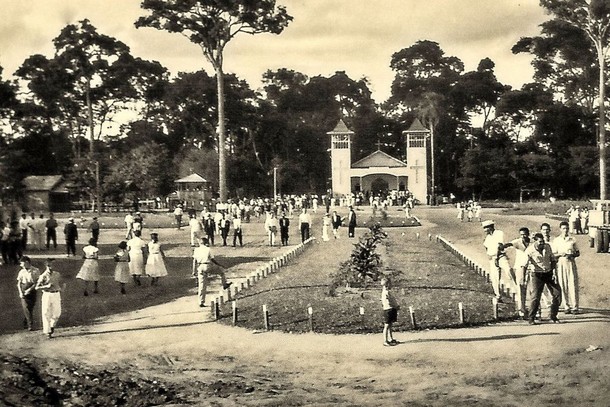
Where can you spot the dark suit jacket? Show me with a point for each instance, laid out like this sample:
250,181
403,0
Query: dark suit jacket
336,221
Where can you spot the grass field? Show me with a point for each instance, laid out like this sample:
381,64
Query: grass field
432,281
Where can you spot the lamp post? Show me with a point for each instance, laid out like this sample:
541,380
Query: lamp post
274,183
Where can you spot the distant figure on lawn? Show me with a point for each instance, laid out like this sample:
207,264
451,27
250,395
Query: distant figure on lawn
51,225
326,222
305,224
129,225
271,226
237,231
94,228
178,216
336,221
196,229
155,263
498,261
390,311
136,248
209,225
51,286
90,269
284,228
351,222
71,236
121,271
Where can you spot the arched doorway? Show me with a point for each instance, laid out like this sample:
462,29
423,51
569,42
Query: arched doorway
379,186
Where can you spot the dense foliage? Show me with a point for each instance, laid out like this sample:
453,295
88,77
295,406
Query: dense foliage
95,105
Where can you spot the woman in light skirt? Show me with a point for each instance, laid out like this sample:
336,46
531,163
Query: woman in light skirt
155,264
121,271
90,269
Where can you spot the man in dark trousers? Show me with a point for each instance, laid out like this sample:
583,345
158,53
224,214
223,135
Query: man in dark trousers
284,226
209,226
351,222
336,222
94,228
51,226
71,235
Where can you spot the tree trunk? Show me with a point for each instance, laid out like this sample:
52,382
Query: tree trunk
602,123
222,165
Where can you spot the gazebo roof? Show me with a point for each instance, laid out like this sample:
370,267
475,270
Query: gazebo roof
194,178
378,159
341,128
41,182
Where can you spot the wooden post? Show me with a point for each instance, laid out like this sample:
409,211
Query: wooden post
242,286
234,312
310,314
221,300
417,235
494,304
362,316
461,312
266,317
216,310
412,315
228,294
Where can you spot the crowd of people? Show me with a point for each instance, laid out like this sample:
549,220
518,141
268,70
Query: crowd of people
544,268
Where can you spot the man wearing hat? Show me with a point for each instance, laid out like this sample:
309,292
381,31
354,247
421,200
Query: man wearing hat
71,235
498,261
94,228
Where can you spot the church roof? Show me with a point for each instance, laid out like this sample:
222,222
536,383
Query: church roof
378,159
41,182
192,179
341,128
417,127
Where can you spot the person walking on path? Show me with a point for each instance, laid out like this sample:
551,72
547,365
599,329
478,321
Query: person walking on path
155,263
566,251
51,286
196,229
271,226
90,269
336,222
224,226
94,229
51,225
237,231
121,270
351,222
498,261
390,311
129,225
543,273
136,247
24,226
38,231
305,224
210,227
178,216
284,228
521,244
26,286
202,258
71,235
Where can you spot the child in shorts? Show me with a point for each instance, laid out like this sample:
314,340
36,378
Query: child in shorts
390,311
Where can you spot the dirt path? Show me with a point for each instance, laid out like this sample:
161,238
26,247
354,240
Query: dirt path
509,364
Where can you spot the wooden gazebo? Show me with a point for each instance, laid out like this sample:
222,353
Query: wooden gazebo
193,190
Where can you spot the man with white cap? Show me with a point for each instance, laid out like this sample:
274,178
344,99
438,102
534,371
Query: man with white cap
498,261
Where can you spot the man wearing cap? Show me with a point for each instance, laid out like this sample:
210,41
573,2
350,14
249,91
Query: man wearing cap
498,262
94,228
351,221
71,235
202,257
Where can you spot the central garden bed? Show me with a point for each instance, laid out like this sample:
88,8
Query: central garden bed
428,278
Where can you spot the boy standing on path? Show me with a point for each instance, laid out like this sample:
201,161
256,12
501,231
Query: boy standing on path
26,286
390,311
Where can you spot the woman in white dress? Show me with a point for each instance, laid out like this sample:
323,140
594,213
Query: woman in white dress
121,271
136,247
155,265
90,269
325,225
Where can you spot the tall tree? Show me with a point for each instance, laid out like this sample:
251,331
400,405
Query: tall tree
211,24
593,17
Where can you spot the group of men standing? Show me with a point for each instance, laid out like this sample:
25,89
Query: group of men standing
541,262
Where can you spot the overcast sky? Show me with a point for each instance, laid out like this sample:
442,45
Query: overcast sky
356,36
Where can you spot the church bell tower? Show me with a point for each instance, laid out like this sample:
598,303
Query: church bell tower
340,157
417,159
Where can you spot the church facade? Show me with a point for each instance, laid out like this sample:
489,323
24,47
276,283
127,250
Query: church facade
379,172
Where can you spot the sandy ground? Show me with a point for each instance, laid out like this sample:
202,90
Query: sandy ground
507,364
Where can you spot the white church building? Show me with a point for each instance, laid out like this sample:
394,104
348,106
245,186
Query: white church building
380,171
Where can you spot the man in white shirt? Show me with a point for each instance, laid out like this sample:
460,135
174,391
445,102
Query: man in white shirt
305,222
565,250
196,229
129,225
498,262
202,257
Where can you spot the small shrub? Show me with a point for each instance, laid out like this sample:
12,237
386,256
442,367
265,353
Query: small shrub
364,264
